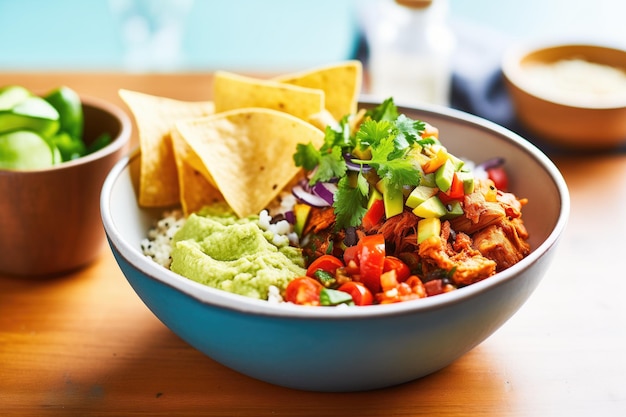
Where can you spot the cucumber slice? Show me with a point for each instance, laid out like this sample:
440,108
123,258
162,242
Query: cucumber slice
24,150
12,95
33,113
67,102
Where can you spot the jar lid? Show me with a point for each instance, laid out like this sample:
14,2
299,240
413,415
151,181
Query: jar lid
415,4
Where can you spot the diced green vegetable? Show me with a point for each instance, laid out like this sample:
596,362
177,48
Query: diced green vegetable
444,175
420,194
301,214
427,228
468,181
428,180
393,199
330,297
453,209
325,278
433,207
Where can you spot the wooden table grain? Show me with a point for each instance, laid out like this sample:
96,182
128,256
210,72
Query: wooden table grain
84,344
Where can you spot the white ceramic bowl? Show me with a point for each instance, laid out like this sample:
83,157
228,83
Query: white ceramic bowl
361,348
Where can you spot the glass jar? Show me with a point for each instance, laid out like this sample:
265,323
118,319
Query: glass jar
410,50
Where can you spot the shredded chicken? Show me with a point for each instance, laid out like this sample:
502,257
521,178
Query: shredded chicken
505,243
488,238
400,232
479,214
468,264
320,219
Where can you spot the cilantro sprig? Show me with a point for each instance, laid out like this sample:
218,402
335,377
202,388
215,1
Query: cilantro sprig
384,134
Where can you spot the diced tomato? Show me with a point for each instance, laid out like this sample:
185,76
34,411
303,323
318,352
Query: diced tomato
351,253
417,286
456,191
411,289
359,292
304,291
327,263
499,177
372,260
402,269
374,214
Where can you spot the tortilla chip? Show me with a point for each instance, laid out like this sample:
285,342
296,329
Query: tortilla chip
232,91
249,153
155,117
340,82
197,187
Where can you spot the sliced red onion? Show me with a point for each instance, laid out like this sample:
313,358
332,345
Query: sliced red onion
308,198
325,190
290,216
491,163
353,166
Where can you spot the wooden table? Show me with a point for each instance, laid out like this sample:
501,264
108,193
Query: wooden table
84,344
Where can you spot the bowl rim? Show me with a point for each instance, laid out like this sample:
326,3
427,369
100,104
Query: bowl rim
245,305
118,142
511,68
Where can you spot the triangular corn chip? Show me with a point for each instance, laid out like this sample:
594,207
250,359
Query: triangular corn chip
233,91
155,117
249,153
197,188
340,82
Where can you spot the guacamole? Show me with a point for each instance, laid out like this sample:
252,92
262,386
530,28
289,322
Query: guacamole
232,254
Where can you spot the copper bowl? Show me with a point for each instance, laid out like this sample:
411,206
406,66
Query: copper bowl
50,218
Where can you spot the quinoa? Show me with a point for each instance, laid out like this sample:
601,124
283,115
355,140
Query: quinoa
158,244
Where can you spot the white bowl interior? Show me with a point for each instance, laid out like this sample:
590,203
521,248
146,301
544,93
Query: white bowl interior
532,175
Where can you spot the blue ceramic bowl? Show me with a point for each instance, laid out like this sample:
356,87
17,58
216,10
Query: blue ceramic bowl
361,348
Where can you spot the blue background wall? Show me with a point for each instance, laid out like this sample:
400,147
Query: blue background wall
241,34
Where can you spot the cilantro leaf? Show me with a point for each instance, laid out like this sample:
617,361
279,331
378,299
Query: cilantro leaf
306,156
337,136
349,204
331,165
409,131
371,133
389,161
386,110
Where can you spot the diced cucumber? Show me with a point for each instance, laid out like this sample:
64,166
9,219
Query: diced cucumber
428,180
427,228
374,195
444,175
301,214
420,194
393,198
433,207
468,181
453,209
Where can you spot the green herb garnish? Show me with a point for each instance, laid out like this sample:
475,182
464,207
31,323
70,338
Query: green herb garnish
382,144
